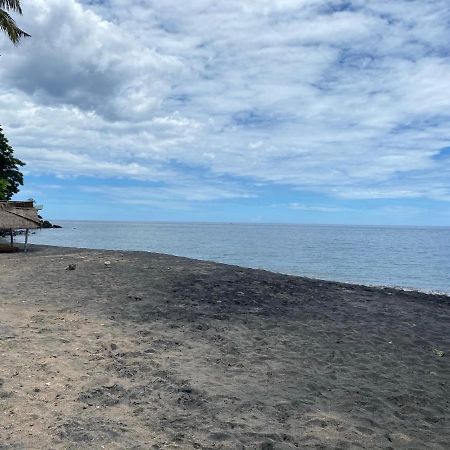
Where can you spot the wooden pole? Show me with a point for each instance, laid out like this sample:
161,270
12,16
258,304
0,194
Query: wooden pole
26,240
12,236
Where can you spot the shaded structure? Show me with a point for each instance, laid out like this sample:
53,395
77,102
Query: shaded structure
16,216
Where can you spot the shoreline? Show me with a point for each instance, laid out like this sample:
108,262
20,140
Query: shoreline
306,277
146,350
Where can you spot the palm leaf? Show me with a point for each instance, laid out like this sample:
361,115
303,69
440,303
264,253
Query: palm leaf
12,5
8,25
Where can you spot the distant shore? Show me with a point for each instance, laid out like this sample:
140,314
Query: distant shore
144,350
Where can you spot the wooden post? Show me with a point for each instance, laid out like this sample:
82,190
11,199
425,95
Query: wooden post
26,240
12,236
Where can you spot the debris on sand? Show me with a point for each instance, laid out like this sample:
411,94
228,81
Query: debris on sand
438,352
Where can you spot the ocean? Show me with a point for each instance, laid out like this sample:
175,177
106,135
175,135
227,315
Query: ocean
407,257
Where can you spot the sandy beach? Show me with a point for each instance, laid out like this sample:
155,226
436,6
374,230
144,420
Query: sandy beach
161,352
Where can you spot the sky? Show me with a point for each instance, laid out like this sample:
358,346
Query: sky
306,111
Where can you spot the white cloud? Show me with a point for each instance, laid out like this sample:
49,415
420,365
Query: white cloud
77,58
178,196
317,208
350,102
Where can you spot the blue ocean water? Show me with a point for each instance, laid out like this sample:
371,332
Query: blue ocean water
409,257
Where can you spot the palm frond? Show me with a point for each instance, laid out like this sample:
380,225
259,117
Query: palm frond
8,25
12,5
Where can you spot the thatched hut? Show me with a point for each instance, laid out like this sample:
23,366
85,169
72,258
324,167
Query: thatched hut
18,216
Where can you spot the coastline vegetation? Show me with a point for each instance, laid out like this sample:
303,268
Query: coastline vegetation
10,175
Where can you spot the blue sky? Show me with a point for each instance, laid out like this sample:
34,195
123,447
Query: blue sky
321,111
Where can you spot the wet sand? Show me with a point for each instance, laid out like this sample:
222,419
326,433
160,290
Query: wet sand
160,352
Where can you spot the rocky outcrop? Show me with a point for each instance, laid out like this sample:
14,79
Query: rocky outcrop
47,224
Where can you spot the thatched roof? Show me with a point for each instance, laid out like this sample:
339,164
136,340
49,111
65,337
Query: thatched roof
18,215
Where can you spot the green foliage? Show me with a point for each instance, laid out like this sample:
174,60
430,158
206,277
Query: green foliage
3,187
7,23
10,176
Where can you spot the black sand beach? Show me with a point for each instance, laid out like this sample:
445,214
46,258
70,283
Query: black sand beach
156,351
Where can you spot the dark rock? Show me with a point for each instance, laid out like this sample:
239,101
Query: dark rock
47,224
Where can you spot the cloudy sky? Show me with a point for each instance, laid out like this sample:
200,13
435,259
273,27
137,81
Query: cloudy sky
322,111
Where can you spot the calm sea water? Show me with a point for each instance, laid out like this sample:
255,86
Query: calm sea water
410,257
